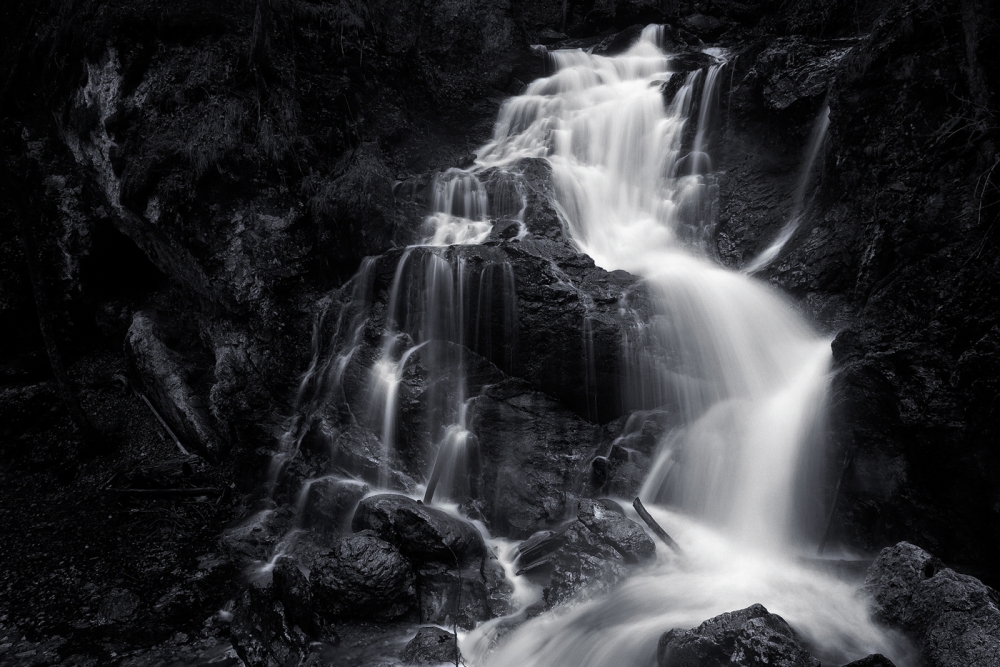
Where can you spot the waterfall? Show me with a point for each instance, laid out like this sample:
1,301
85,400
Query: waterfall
816,138
746,374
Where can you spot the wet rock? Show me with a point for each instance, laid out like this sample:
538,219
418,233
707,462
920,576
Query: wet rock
953,618
362,577
793,68
291,587
583,565
118,606
607,520
873,660
261,633
532,450
688,61
431,646
254,537
706,27
751,636
330,504
421,533
159,373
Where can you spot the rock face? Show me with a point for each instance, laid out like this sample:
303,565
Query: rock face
458,579
953,618
751,636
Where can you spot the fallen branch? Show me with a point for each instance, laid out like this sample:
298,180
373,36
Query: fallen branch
655,527
164,423
155,493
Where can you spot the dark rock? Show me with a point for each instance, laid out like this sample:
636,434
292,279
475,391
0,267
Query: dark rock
792,68
420,532
363,577
118,606
953,618
261,633
751,636
431,646
291,587
688,61
584,565
705,27
873,660
607,520
330,503
159,373
532,450
254,537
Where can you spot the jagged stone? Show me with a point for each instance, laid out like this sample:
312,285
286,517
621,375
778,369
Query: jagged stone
261,633
953,618
421,533
431,646
745,638
362,577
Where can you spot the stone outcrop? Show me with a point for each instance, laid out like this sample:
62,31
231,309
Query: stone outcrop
953,618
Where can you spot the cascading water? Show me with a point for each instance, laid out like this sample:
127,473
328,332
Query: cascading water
743,377
816,138
747,376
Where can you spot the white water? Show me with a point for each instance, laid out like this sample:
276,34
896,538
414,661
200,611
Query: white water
749,377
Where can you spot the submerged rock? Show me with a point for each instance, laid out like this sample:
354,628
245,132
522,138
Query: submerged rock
751,636
431,646
953,618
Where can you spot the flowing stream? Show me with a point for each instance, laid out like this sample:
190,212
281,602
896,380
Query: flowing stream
635,195
736,481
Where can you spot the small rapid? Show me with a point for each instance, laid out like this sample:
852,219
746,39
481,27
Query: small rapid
748,377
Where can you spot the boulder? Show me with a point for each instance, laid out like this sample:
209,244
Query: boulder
261,633
751,636
606,519
588,555
583,565
458,578
421,533
431,646
362,577
953,618
330,503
